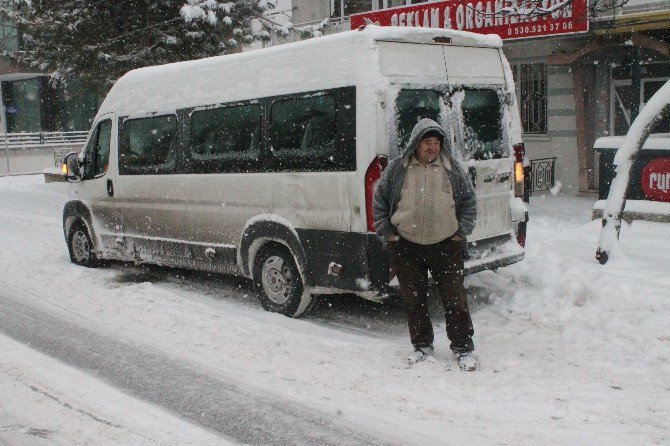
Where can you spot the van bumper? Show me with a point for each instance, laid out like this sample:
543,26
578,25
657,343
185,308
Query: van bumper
494,252
487,254
363,261
345,262
492,262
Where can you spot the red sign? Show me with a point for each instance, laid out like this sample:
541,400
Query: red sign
510,19
656,180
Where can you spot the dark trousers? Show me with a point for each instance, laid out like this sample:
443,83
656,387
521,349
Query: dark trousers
445,262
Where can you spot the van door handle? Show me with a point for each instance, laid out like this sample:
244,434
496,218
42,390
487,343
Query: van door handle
110,188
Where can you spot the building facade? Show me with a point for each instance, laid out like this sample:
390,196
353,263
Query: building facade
572,88
29,103
38,122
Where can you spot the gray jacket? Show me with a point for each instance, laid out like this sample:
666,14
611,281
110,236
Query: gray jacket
388,189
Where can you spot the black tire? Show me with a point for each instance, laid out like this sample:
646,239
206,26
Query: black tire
278,283
81,247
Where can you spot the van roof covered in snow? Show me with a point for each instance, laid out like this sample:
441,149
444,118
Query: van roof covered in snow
341,59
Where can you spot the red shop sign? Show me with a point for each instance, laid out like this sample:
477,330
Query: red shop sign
486,17
656,180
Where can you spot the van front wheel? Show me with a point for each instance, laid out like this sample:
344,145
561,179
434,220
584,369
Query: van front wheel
278,283
81,247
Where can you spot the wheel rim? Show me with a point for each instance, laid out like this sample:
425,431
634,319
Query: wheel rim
80,246
277,280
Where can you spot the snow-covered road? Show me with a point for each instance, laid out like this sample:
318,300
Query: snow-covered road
571,351
226,406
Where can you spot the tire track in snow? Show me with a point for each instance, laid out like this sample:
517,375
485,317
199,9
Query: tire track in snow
230,409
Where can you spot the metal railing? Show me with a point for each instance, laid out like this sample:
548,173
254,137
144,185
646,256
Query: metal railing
41,139
28,153
542,174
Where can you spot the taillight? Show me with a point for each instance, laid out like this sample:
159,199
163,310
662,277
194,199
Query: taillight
519,154
372,176
519,189
521,233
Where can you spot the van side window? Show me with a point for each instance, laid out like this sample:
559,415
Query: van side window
97,151
147,144
303,126
226,133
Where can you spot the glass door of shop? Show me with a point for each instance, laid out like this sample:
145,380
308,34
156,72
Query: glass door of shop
622,100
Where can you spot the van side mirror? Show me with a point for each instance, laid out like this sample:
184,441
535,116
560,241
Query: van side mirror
71,162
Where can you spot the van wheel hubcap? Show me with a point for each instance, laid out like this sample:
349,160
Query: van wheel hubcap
277,280
80,246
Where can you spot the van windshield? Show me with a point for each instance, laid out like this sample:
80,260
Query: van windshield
479,109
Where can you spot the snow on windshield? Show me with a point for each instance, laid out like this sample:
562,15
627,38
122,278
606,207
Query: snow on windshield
471,117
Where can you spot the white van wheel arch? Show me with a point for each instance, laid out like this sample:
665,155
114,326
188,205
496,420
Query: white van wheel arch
278,281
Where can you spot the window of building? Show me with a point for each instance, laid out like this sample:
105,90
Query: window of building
34,105
96,159
531,84
23,107
649,88
358,6
148,145
10,37
623,97
350,7
229,133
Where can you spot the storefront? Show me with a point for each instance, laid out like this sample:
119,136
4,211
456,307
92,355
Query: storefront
28,101
31,104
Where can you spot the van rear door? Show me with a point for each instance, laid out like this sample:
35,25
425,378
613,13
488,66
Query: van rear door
482,139
476,99
473,117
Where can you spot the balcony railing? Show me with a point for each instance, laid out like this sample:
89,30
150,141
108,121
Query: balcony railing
42,139
542,174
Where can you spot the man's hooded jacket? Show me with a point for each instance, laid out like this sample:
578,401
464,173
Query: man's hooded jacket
388,189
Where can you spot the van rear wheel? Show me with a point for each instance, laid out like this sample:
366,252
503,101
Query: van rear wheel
81,247
278,283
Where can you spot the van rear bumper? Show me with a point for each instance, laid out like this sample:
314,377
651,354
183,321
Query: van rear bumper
364,262
344,262
492,262
494,252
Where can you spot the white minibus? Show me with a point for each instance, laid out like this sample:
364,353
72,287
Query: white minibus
264,163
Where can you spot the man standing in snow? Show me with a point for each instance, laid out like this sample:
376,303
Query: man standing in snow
424,206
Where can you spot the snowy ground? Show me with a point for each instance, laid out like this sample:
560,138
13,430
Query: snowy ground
570,351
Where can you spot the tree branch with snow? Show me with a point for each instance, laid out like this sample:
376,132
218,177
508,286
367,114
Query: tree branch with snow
533,9
608,244
98,41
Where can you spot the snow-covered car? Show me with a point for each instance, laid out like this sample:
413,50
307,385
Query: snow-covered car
264,163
